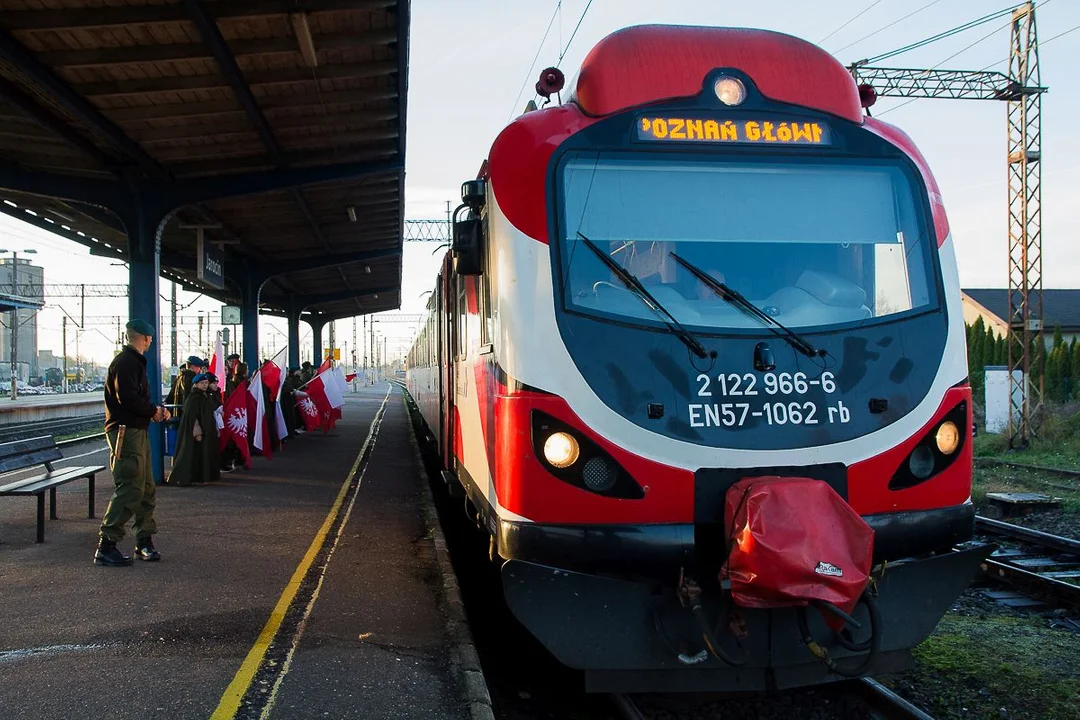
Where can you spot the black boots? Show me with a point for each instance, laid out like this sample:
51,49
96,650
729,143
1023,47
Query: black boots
144,550
108,554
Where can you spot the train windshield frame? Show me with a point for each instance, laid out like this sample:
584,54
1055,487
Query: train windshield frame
816,242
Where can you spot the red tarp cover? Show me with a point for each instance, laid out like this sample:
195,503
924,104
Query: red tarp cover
795,540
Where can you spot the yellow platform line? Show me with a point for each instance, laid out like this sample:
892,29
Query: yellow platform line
234,694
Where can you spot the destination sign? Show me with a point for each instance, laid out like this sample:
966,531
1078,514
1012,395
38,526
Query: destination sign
675,128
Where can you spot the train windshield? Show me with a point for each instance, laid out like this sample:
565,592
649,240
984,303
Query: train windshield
812,244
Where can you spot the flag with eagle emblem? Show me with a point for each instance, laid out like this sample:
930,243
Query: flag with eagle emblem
309,412
236,423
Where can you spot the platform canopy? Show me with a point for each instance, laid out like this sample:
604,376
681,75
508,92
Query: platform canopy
9,302
279,125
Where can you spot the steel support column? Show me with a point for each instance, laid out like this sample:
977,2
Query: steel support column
293,320
317,324
144,227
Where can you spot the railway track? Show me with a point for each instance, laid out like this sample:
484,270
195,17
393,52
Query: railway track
1060,472
880,700
1044,565
61,426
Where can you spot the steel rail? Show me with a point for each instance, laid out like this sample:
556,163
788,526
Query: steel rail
995,462
1035,537
1060,590
80,439
627,707
885,702
48,427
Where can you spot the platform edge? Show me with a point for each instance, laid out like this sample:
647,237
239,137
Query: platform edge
465,660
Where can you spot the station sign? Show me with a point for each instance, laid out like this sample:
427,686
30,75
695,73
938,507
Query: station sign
211,264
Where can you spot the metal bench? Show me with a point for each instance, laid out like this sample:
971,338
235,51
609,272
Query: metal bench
23,454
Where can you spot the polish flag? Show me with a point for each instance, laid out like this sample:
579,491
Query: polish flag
316,390
257,429
217,365
235,416
281,360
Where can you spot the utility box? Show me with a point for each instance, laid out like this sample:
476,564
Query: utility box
997,401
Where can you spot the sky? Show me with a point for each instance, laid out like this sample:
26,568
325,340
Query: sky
470,75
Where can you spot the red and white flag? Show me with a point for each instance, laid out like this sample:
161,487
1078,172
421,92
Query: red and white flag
217,365
316,394
280,360
236,423
257,429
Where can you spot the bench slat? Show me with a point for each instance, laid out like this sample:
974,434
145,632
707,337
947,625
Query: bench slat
18,447
40,483
34,457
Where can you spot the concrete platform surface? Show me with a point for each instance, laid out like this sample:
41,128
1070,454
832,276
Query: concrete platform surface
35,408
361,635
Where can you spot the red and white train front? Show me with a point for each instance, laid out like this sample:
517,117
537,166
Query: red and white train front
702,315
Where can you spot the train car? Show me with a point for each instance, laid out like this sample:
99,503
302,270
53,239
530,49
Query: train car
697,359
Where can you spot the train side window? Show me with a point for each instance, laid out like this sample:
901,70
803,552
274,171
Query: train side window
462,317
487,323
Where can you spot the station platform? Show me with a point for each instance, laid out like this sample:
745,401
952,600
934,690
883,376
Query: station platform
35,408
310,586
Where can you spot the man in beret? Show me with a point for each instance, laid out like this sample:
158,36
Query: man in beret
182,387
128,414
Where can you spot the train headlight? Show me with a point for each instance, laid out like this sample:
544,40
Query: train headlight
947,438
599,474
561,449
921,462
729,90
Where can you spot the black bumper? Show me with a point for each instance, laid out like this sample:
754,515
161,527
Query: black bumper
626,636
648,549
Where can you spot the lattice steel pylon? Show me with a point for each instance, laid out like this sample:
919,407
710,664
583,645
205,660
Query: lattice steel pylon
1021,89
1026,348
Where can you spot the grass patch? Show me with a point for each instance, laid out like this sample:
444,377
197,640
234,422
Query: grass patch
1056,445
1006,479
995,666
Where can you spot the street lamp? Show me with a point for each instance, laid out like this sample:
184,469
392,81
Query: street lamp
15,319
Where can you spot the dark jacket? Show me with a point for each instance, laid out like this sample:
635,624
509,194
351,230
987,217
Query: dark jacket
127,392
181,388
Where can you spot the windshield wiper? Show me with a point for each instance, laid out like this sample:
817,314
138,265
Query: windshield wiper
634,285
736,298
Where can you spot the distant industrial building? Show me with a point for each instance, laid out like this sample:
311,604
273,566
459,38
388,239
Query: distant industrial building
29,286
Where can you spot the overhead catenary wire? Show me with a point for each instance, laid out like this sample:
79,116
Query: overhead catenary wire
539,49
857,16
1040,44
942,35
886,27
938,65
574,34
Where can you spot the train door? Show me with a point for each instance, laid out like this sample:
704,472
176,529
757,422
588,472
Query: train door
459,345
447,323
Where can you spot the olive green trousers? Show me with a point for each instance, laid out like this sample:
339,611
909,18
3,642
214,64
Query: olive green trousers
134,492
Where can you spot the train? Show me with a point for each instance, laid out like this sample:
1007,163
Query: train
696,361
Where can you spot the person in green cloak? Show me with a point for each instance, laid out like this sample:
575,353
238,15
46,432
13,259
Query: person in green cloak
197,458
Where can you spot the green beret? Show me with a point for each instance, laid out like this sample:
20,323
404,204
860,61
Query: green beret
142,327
